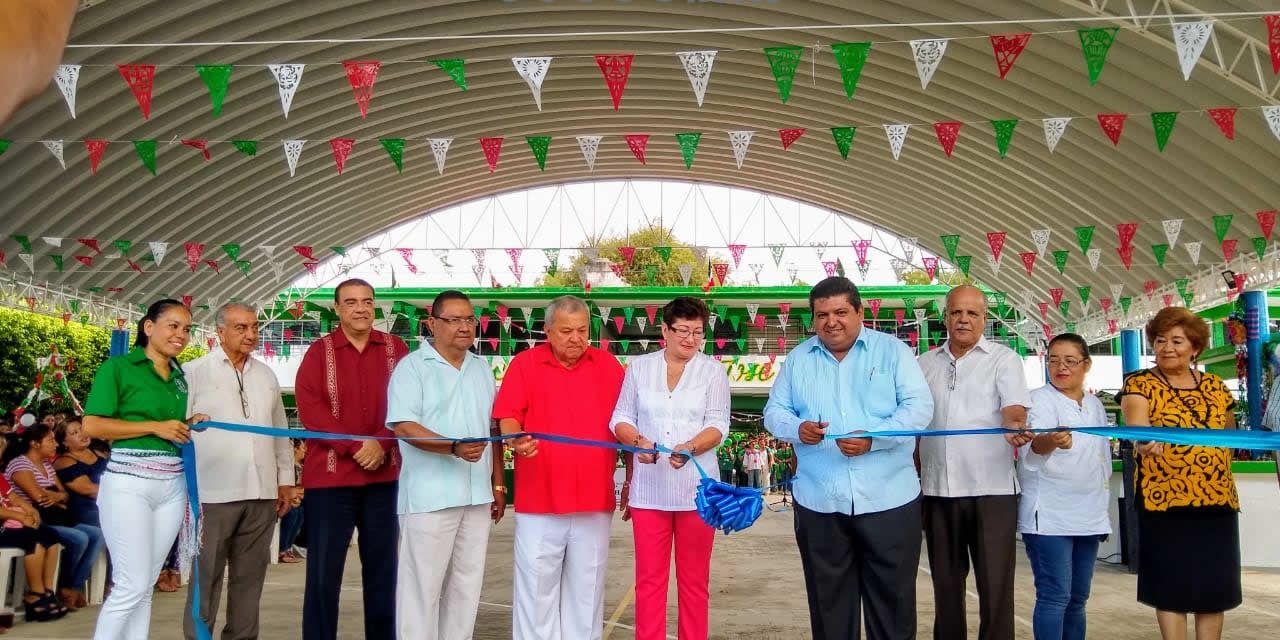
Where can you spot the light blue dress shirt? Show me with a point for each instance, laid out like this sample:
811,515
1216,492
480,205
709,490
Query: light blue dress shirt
452,402
877,387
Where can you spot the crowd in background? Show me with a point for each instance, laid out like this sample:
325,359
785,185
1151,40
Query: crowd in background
757,461
49,476
48,493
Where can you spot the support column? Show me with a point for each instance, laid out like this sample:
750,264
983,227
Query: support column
1130,361
119,342
1257,332
1130,350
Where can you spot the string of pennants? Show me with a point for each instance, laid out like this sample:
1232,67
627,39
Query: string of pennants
947,133
1126,232
295,307
1190,39
201,255
738,320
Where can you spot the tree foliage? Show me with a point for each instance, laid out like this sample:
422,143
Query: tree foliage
948,277
665,274
25,336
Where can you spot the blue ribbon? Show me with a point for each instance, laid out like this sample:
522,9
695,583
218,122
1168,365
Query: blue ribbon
722,505
1226,438
719,504
193,506
278,432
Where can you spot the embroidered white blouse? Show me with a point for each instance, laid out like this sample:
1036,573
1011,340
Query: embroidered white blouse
669,418
1065,493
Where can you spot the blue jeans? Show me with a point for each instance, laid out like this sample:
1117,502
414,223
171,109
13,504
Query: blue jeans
81,545
1063,570
785,480
290,526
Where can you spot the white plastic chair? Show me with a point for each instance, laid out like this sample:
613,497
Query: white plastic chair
13,581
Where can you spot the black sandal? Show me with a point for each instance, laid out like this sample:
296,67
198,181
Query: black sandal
37,610
55,605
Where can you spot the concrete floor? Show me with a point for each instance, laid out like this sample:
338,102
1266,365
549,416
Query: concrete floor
757,593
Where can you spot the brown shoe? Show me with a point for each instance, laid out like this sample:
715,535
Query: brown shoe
81,601
169,581
68,597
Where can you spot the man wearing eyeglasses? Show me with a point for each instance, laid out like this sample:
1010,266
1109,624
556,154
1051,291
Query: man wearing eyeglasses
450,490
970,489
246,481
857,499
350,484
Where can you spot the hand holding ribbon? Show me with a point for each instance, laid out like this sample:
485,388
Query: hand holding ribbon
681,454
852,447
175,431
525,445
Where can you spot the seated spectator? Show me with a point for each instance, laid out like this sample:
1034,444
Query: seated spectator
80,469
29,470
291,523
21,528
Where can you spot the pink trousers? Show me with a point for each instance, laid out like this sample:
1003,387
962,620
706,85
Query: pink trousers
654,532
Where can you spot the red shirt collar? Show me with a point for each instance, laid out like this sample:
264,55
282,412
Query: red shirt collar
542,354
340,339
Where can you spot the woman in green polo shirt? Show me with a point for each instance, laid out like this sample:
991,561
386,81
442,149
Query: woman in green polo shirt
138,402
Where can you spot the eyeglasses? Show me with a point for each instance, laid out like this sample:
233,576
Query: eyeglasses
458,322
953,375
244,399
685,332
1070,362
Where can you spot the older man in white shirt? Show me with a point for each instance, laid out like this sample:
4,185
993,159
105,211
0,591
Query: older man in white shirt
969,486
246,481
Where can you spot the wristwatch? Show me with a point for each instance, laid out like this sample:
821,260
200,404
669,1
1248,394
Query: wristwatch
499,487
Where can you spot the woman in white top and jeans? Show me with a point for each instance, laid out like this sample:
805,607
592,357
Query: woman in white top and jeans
1062,514
679,398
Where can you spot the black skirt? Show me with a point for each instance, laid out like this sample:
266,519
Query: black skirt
1189,559
26,538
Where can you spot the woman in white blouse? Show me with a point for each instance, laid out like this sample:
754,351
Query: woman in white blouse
679,398
1062,514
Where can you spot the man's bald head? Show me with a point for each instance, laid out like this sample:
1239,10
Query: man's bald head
965,316
966,292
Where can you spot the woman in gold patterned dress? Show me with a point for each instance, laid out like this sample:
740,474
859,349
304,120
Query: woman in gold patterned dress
1188,527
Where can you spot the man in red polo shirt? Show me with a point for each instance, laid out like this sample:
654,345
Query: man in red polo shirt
342,388
564,493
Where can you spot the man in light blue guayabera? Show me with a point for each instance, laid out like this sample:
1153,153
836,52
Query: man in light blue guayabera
858,521
449,489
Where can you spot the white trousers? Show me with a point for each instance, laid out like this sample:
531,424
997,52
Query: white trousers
140,522
560,563
440,572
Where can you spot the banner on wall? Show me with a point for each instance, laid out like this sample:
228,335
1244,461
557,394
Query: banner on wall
745,372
